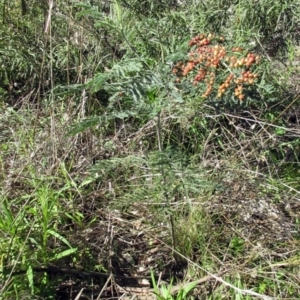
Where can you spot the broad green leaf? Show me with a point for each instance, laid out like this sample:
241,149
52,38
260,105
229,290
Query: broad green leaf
280,131
186,289
64,253
29,273
58,236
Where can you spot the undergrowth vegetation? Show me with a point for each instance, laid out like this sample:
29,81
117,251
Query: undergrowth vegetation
152,145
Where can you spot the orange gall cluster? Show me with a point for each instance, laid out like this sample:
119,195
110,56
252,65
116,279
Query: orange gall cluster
244,62
200,40
200,76
246,78
210,80
224,86
238,92
209,57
